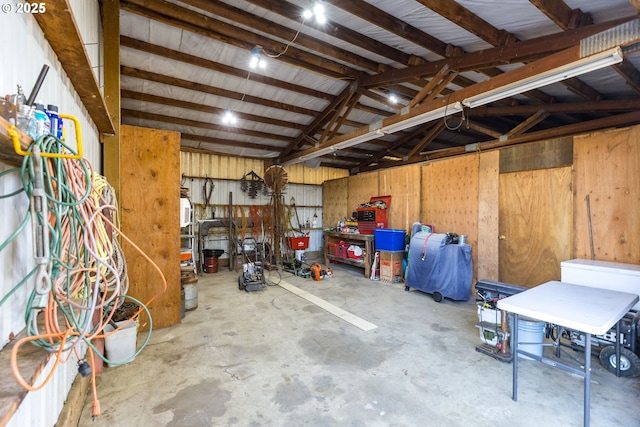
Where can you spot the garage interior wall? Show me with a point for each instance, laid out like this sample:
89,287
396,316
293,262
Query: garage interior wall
461,195
25,52
218,178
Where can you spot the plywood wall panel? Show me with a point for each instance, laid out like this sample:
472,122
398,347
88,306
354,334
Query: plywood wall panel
403,184
488,232
334,201
450,194
607,169
361,188
536,212
150,177
449,198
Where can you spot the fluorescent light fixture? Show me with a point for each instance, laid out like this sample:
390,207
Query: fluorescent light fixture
429,116
573,69
582,66
377,130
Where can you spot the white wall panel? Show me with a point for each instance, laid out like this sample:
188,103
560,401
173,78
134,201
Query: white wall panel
25,51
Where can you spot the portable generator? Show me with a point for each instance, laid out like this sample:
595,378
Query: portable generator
605,344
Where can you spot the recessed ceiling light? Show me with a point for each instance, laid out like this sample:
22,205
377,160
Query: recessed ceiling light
229,118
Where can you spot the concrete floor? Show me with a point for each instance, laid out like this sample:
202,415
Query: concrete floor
271,358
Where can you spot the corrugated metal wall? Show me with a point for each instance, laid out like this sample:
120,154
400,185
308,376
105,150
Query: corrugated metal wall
225,174
225,167
25,51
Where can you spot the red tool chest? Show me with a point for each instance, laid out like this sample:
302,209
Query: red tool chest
373,215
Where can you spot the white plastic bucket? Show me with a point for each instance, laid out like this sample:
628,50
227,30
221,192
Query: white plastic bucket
120,346
530,331
190,296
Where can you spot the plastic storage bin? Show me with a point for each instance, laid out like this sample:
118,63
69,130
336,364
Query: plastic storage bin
615,276
389,239
341,251
298,242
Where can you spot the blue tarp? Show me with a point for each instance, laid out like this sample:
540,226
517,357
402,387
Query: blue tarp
435,266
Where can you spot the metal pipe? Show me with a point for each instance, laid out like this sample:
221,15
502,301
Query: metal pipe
37,85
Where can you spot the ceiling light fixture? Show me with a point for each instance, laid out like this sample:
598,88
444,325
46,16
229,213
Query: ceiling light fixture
377,130
228,118
317,11
256,59
393,99
573,69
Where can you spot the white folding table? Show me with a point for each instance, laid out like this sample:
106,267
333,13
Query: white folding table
590,310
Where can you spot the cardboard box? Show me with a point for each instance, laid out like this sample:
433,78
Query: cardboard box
391,266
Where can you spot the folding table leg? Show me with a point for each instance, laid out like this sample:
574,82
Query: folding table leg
587,377
514,341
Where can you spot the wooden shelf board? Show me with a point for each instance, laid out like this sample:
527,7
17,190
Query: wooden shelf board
7,152
61,31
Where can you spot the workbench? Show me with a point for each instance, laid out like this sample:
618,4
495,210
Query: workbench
592,311
365,241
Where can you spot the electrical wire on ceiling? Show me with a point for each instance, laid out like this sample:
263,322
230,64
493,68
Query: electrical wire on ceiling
80,274
462,119
256,60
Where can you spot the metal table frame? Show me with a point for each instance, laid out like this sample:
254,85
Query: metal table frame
592,311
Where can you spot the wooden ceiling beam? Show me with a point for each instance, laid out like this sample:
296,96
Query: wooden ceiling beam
410,136
392,24
625,119
620,105
173,102
583,90
557,10
236,72
194,123
483,129
226,11
560,13
221,31
229,142
321,118
630,73
618,120
222,68
199,87
340,32
382,99
513,53
341,121
528,123
468,20
428,138
428,89
532,69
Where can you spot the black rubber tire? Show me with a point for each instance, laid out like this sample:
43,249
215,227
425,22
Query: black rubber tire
437,296
630,366
406,288
241,284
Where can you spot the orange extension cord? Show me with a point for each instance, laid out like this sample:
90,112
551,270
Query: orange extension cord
99,233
